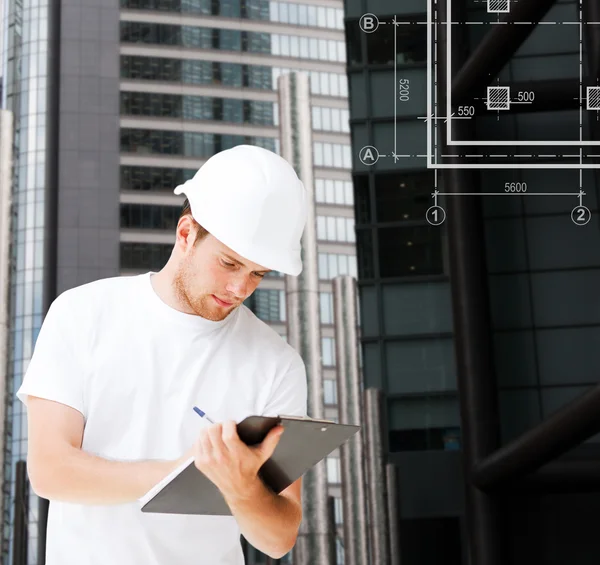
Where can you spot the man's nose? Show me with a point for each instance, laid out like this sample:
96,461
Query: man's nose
238,286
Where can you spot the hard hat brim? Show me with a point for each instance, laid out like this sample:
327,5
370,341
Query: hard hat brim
275,261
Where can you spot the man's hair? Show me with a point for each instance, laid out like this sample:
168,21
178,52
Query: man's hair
201,233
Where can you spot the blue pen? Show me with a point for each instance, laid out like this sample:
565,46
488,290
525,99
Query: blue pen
202,414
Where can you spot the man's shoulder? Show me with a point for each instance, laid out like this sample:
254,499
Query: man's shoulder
262,334
83,298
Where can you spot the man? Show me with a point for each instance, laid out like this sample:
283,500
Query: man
119,364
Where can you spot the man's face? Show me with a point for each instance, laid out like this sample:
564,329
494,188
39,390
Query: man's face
213,280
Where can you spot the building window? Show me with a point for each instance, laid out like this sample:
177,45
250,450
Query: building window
197,108
338,511
189,144
227,39
195,72
330,119
196,37
333,264
326,307
149,216
365,253
330,392
334,472
153,178
332,155
329,191
282,12
403,196
298,14
328,351
410,251
335,228
317,48
410,39
268,305
144,256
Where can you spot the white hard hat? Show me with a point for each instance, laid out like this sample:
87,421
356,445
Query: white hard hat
252,200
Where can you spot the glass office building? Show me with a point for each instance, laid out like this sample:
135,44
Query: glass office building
114,106
25,89
418,283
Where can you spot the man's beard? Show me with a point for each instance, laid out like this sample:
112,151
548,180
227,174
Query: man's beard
202,305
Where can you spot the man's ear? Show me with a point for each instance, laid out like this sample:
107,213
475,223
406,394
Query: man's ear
185,233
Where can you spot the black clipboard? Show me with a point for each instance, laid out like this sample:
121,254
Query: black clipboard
305,442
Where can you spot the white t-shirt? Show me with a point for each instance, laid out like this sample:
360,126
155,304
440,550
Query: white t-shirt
135,367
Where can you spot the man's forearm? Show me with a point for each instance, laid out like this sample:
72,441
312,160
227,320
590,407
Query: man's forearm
80,477
268,521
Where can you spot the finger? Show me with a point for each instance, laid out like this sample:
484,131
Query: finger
219,449
230,437
268,445
204,449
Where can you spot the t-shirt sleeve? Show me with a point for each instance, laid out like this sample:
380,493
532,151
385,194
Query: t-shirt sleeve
55,371
289,392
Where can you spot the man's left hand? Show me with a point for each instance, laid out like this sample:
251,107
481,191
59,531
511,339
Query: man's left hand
228,462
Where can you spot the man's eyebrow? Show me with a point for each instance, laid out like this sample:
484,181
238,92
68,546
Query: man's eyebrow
233,260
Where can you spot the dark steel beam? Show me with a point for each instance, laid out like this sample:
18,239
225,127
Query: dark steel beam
498,47
21,515
563,430
472,335
561,477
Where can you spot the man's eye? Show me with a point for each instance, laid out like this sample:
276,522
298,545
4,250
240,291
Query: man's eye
227,264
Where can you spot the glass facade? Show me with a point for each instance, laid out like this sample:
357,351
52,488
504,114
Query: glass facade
333,155
188,71
330,119
153,179
329,191
335,228
326,307
233,40
144,256
197,108
411,42
251,9
333,264
268,304
186,144
25,83
281,12
149,217
165,69
328,352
